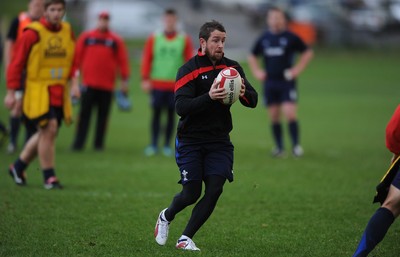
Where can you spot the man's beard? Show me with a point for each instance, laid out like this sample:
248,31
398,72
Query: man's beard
213,57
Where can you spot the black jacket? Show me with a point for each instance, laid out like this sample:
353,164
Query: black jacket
200,116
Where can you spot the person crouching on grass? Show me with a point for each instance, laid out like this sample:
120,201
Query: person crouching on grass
204,152
46,49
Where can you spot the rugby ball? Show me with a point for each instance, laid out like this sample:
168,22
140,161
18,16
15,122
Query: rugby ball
231,80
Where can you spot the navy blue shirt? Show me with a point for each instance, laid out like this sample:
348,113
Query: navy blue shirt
278,51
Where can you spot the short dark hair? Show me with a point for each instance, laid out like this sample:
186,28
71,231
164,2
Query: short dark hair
209,27
170,11
50,2
277,9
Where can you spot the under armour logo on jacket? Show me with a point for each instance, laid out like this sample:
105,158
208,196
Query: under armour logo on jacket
204,77
184,174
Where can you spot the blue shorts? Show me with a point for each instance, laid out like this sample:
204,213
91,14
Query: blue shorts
279,91
396,180
392,177
197,160
161,98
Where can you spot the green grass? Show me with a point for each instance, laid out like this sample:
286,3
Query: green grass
314,206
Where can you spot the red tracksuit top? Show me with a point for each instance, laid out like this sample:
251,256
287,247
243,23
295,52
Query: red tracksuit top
100,56
393,132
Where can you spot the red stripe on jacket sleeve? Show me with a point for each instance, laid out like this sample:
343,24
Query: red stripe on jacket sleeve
186,79
245,99
194,74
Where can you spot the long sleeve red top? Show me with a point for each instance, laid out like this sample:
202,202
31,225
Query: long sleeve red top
22,49
100,56
393,132
147,61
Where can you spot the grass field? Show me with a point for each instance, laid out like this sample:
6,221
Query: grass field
314,206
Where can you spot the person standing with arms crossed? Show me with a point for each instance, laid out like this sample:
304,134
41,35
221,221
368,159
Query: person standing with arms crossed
278,47
388,193
35,11
164,52
101,54
46,49
204,152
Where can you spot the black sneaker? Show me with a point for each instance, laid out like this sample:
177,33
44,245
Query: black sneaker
18,177
52,183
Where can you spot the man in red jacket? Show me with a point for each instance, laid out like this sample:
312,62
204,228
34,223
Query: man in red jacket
164,52
388,193
101,55
45,51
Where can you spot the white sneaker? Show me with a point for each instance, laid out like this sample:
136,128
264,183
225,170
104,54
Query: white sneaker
277,153
186,244
150,151
161,229
298,151
167,151
11,148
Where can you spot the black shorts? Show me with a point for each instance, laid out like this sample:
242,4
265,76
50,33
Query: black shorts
54,113
197,160
30,126
279,91
160,98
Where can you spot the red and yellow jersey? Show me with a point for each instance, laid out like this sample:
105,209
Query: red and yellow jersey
49,60
46,53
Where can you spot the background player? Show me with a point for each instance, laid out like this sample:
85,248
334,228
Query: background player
46,49
100,54
204,151
388,193
164,52
34,12
278,46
